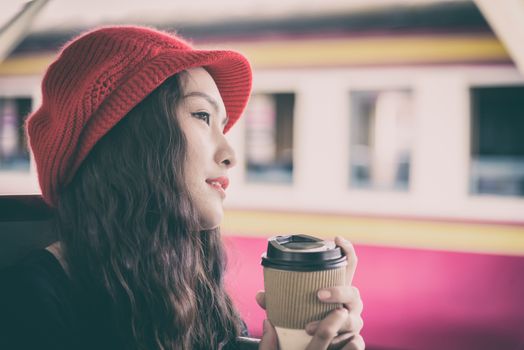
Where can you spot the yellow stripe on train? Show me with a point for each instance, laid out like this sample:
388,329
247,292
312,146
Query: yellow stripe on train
347,51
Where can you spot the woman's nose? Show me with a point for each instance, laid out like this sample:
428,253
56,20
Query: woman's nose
226,155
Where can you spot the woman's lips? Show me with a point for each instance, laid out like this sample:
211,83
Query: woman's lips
219,183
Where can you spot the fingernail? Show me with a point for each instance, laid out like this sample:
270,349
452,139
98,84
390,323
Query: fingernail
324,294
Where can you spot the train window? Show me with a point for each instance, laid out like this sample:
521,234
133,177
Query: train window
381,139
269,138
14,155
497,142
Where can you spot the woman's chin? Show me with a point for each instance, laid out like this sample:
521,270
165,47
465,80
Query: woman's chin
211,222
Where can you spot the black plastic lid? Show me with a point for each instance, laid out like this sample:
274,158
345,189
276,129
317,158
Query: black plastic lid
302,253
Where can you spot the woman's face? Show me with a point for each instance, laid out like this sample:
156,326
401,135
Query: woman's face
202,116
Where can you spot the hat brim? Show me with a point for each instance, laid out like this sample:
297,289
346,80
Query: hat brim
230,71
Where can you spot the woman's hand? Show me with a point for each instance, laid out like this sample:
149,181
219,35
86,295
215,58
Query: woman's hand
340,329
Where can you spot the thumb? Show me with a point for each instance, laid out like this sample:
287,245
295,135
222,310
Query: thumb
261,299
269,337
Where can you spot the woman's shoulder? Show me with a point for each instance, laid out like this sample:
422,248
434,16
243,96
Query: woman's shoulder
35,299
36,283
39,271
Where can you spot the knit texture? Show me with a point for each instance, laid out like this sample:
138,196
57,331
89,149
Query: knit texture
99,77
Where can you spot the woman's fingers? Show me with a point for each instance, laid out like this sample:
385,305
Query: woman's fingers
328,329
261,299
340,341
356,343
269,337
349,251
349,296
352,325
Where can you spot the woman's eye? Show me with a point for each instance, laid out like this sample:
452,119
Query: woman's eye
202,116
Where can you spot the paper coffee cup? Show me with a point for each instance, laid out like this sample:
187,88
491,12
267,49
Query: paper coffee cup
295,268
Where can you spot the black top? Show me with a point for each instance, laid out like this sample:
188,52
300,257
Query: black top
38,310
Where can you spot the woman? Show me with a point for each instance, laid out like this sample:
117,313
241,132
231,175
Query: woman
130,149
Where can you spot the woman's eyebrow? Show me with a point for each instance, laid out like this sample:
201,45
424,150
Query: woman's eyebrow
209,99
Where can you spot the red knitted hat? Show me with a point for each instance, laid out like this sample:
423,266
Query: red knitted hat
100,76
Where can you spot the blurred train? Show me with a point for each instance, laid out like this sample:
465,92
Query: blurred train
399,128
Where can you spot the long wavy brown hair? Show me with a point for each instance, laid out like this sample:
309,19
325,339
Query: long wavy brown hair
129,231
